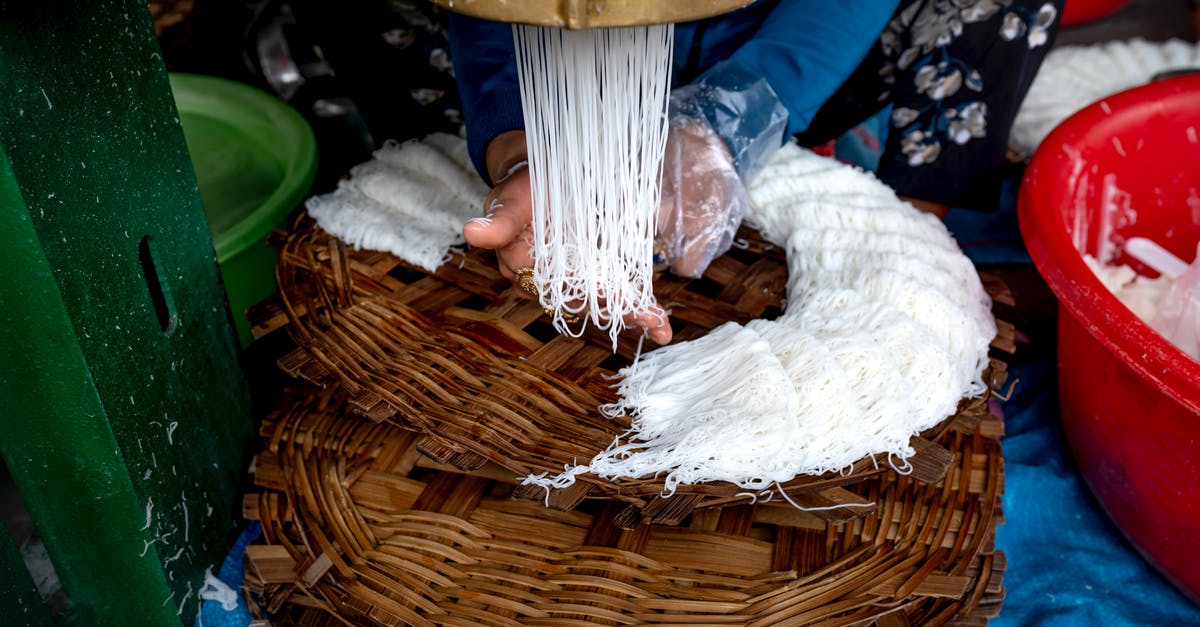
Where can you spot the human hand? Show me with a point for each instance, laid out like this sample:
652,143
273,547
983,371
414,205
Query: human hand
507,225
725,125
703,199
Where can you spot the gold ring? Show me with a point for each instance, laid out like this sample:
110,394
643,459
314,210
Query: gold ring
568,318
525,281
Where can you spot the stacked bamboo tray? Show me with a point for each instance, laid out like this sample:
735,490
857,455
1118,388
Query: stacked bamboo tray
390,493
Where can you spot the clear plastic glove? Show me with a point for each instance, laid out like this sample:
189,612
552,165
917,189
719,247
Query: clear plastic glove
703,199
724,127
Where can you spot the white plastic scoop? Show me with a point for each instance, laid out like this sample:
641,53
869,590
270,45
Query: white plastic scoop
1150,253
1178,317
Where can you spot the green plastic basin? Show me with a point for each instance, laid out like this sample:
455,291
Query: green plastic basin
255,158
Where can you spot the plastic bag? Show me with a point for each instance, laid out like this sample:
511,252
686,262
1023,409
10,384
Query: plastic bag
1178,315
724,127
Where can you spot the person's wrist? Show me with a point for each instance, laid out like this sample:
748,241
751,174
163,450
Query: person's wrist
742,108
504,152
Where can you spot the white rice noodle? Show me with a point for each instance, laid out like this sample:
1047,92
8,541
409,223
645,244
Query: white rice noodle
410,200
886,329
1073,77
595,108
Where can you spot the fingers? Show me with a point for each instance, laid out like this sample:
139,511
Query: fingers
703,224
507,228
516,255
692,262
702,199
508,211
654,323
702,243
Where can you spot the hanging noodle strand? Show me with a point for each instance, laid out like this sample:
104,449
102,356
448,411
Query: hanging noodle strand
595,107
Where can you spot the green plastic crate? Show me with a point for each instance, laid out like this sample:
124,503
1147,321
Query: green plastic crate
126,418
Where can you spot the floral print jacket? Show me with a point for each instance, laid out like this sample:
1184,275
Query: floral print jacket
919,44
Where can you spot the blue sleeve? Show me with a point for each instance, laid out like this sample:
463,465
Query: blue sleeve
486,70
806,49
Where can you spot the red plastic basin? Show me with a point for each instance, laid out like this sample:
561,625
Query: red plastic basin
1126,166
1082,11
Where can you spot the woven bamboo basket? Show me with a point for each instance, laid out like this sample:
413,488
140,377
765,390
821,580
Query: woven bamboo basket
361,528
367,523
463,359
168,13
